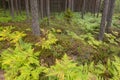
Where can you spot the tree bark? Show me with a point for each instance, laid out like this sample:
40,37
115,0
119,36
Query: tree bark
72,5
48,10
19,7
83,9
12,9
69,4
66,3
98,9
4,6
41,1
27,8
35,20
9,4
16,7
89,6
110,14
103,20
94,8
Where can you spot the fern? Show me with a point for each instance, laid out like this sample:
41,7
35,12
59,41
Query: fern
111,38
21,63
5,33
66,69
114,68
12,37
47,42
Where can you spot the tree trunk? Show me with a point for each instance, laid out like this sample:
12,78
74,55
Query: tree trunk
103,20
110,14
41,1
83,9
69,4
16,7
48,10
94,8
12,9
72,5
4,6
99,7
9,4
19,5
38,3
27,8
89,6
66,3
35,20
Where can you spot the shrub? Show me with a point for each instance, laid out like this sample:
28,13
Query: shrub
68,15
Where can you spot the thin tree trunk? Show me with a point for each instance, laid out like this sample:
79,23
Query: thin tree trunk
91,5
94,8
48,10
12,9
110,14
4,6
83,9
103,20
27,8
99,7
89,8
35,20
66,2
20,8
41,8
38,3
72,4
8,4
69,4
16,7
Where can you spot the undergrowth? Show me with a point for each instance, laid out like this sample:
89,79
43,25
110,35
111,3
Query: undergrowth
64,51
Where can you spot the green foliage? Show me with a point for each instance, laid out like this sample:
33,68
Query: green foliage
7,34
114,68
77,39
111,38
48,41
72,34
20,18
21,63
89,38
6,17
68,15
88,24
111,70
66,69
117,6
98,51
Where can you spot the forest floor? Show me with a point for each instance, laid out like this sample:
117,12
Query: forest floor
72,39
1,75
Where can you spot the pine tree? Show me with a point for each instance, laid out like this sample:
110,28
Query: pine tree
35,20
